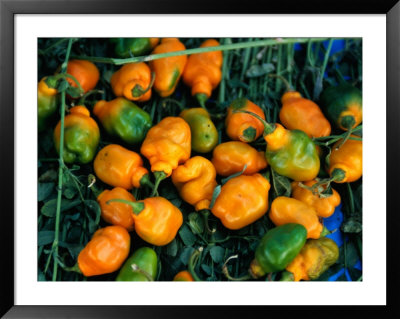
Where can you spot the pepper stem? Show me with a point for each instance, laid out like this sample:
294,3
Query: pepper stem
74,268
92,186
202,98
136,268
280,77
194,258
287,276
205,213
268,127
138,91
83,98
137,206
226,271
145,181
337,175
345,138
159,177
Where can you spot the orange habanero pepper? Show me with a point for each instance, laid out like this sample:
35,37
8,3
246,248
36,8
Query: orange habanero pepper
241,126
183,275
195,181
203,71
324,206
230,158
86,73
298,113
132,81
117,213
168,70
285,210
119,167
243,200
105,252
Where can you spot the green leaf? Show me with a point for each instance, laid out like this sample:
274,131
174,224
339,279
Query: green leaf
196,223
352,225
257,70
281,184
187,236
70,192
49,208
45,237
44,190
217,254
73,249
93,220
206,269
172,248
62,85
73,92
217,191
224,180
185,255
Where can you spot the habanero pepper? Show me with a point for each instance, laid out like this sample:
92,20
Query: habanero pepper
298,113
120,167
316,256
203,131
132,81
183,275
244,127
131,47
105,252
81,136
124,119
203,71
86,73
168,70
117,213
286,210
231,157
48,99
242,200
195,181
157,220
141,266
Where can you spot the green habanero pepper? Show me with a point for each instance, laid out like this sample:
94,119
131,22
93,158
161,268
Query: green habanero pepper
141,266
342,105
81,136
121,117
47,103
130,47
204,133
278,248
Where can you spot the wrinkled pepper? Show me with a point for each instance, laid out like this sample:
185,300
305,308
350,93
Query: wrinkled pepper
183,275
131,47
342,105
244,127
298,113
48,99
286,210
314,259
81,136
117,213
105,252
277,249
124,119
141,266
119,167
242,200
168,70
324,206
85,72
132,81
203,71
203,131
231,157
195,181
157,220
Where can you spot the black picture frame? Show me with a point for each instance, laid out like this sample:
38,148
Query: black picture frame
8,10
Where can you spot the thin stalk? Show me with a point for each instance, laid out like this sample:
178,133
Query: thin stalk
278,69
221,95
326,58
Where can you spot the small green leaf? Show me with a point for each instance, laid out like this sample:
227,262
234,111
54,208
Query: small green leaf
185,255
172,248
94,207
70,192
196,223
49,208
257,70
217,254
44,190
62,85
73,92
224,180
206,269
45,237
187,236
217,191
281,184
352,225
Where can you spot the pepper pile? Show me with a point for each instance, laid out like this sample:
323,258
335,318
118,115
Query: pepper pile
162,181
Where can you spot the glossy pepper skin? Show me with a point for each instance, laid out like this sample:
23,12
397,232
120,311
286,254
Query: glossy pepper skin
231,157
324,206
203,131
131,80
145,259
203,71
120,167
81,136
345,163
286,210
48,99
117,213
168,70
314,259
278,247
105,252
243,200
298,113
167,144
85,72
342,105
124,119
195,181
183,275
130,47
241,126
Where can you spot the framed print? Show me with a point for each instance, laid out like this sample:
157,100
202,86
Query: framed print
174,143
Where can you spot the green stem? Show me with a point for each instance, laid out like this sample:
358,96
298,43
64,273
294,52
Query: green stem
159,176
205,213
138,91
225,271
145,181
221,93
268,128
137,206
224,47
192,263
136,268
287,84
60,171
87,94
